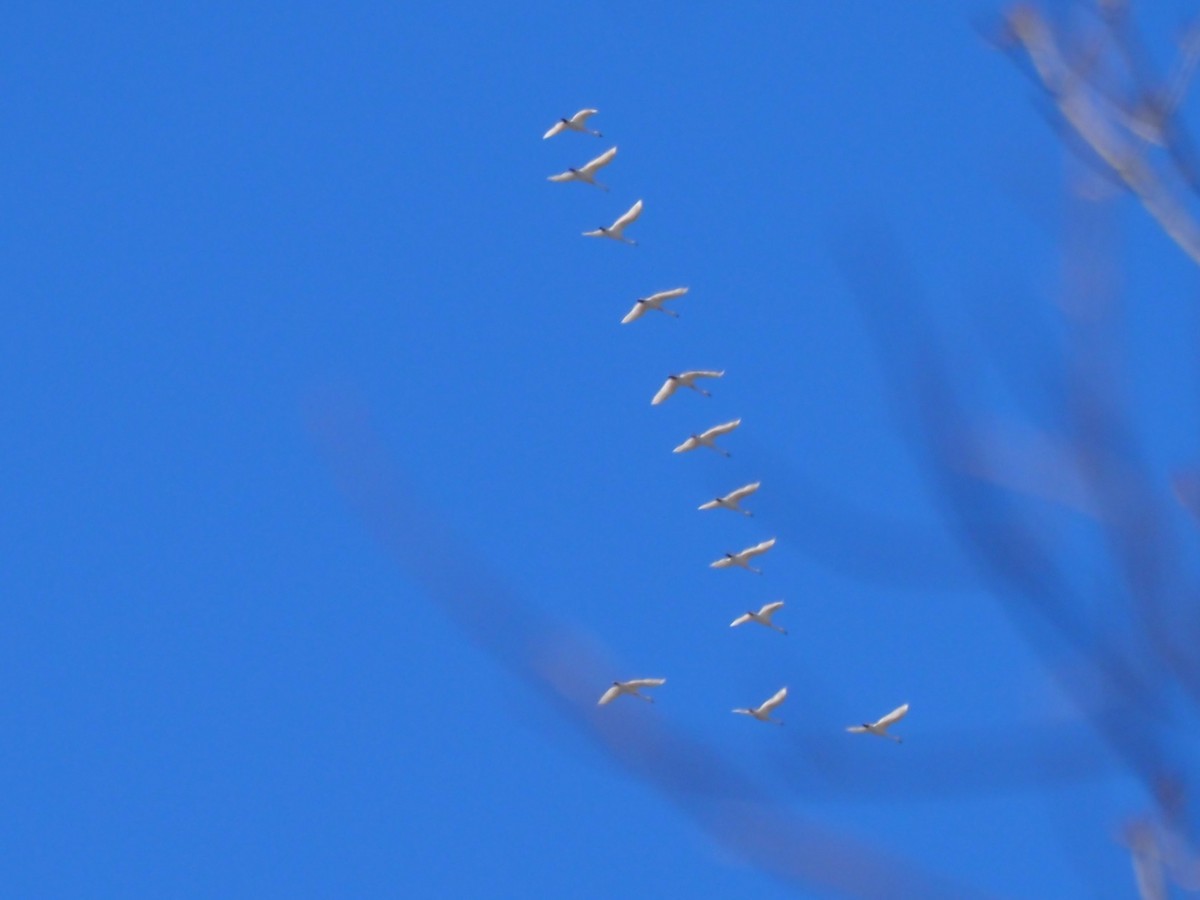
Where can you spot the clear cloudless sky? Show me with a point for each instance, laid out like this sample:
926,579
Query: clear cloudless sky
215,682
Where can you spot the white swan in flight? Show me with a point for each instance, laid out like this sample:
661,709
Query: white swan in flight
654,301
630,687
763,712
684,379
880,726
762,617
587,172
616,231
743,557
708,438
577,122
733,499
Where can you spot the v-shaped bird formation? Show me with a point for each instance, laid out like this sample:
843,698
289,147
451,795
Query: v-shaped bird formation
690,379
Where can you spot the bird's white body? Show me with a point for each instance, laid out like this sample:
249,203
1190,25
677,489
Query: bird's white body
762,617
654,301
880,726
732,500
577,122
616,231
763,712
683,380
587,172
742,558
708,438
630,687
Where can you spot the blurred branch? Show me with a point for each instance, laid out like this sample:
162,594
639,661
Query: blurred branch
1076,101
562,665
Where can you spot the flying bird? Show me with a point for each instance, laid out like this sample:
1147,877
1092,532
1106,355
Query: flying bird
743,558
577,122
654,301
630,687
733,499
616,231
588,170
708,438
880,727
683,379
762,617
763,712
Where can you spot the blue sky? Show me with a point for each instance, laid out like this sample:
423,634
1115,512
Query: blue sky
333,486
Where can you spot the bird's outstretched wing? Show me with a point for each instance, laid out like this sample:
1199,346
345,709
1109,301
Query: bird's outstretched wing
630,216
759,548
858,729
666,295
701,373
725,428
639,309
723,563
711,504
562,176
557,128
638,683
740,620
582,116
690,444
669,387
744,491
592,166
893,717
769,705
608,696
599,232
771,608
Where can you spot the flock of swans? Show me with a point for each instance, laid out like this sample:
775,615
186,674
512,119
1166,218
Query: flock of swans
731,501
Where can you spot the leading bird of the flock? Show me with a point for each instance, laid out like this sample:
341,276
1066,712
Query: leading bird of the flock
733,499
708,438
588,170
654,301
880,726
684,379
742,558
577,122
630,687
762,617
763,712
616,231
